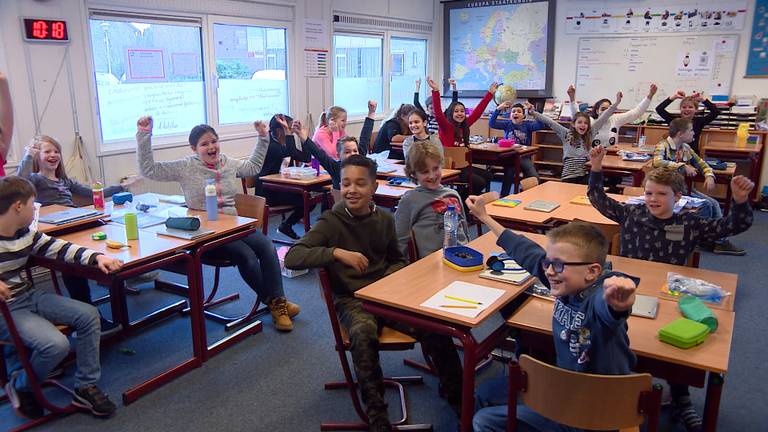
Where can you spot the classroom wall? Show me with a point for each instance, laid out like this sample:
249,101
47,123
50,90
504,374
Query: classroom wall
32,68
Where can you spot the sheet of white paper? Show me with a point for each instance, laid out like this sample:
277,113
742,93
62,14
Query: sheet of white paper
463,290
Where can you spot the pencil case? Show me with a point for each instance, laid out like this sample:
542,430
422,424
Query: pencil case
122,198
694,309
183,223
683,333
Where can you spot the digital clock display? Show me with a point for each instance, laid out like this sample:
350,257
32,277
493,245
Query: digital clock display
45,30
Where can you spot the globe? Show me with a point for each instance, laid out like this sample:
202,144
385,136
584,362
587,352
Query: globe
505,93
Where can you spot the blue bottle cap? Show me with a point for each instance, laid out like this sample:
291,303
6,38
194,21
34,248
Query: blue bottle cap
451,207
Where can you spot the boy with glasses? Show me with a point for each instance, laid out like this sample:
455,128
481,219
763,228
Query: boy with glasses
589,323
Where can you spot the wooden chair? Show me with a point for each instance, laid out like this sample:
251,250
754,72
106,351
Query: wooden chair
15,343
282,210
251,206
389,340
459,158
528,183
593,402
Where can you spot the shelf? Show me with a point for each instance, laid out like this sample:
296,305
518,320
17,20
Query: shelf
552,146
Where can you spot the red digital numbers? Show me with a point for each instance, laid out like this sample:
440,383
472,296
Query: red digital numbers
58,30
40,29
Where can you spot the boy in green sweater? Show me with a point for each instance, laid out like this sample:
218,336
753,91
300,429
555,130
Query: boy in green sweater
357,245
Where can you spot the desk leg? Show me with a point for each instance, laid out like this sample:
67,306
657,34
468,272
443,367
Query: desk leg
305,196
712,401
468,381
637,178
516,178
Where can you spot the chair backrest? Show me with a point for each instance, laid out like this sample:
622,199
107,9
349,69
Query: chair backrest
634,190
251,206
589,401
413,248
397,139
456,157
528,183
248,182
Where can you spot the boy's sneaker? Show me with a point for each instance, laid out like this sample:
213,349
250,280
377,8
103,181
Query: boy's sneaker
93,399
23,402
725,247
287,231
683,411
278,307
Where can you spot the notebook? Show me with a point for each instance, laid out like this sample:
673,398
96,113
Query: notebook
183,234
581,200
645,306
506,202
69,215
542,206
512,273
143,220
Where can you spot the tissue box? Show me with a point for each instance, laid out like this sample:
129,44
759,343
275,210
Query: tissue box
281,251
300,173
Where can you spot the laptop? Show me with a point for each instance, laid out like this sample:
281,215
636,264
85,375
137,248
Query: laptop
68,215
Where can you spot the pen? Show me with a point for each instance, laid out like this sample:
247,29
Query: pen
463,300
458,307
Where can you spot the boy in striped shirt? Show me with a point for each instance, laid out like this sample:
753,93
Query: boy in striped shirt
35,311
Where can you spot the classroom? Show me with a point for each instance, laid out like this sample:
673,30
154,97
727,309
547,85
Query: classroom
381,215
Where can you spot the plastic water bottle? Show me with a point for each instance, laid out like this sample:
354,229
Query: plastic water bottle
450,227
98,195
211,200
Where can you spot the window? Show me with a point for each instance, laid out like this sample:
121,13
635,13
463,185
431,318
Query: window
253,74
403,74
147,68
358,72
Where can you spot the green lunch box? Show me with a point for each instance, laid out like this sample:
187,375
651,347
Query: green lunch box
683,333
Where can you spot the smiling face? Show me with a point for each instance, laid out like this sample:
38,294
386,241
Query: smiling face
431,174
416,124
338,123
357,189
518,115
687,109
573,278
660,199
348,148
430,109
50,156
581,125
459,114
208,148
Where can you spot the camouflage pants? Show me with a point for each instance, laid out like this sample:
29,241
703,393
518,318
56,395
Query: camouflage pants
364,346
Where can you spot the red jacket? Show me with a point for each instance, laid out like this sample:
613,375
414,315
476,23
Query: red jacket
445,127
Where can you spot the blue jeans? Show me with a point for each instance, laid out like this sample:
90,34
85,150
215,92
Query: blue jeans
526,167
256,259
491,411
711,209
34,312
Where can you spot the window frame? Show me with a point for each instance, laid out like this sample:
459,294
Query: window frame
208,63
387,35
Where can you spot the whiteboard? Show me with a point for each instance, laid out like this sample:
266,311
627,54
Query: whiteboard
606,65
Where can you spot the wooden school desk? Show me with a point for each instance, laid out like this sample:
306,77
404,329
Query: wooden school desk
150,252
492,154
52,229
303,187
562,193
449,175
614,165
387,195
728,150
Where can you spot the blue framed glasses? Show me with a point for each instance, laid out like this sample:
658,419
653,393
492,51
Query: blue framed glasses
559,265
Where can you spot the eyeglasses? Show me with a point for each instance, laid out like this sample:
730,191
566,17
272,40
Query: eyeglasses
559,266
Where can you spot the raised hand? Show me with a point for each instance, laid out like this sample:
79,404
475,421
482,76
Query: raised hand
299,130
697,96
476,203
652,90
418,84
372,104
432,84
492,88
145,124
261,127
740,188
596,155
281,121
571,93
529,107
33,149
504,106
356,260
619,293
452,82
679,94
619,96
108,264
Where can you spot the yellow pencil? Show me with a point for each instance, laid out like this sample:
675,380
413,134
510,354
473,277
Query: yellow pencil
459,307
463,300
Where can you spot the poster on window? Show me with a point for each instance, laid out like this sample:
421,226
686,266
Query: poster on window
145,64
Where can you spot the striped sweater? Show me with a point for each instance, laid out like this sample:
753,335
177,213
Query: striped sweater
16,250
670,155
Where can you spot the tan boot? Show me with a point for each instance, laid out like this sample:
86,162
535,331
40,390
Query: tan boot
293,309
279,309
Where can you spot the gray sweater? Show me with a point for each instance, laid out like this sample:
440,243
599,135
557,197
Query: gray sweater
58,191
410,139
192,173
421,211
575,148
